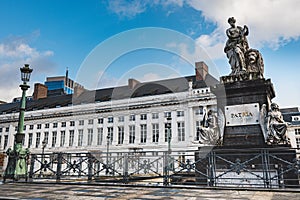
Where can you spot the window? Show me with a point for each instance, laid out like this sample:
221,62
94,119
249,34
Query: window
62,138
155,132
39,126
110,120
0,129
91,121
297,131
81,122
24,128
6,141
143,133
31,127
110,134
63,124
121,119
168,114
46,136
154,115
37,140
181,131
143,116
90,136
72,123
198,125
29,140
120,134
71,138
298,142
55,125
199,111
100,136
47,125
180,113
132,118
131,134
100,121
54,136
167,129
80,137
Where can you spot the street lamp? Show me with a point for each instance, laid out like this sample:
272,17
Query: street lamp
44,144
107,151
169,121
17,167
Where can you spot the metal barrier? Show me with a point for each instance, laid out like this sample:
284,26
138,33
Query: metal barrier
263,168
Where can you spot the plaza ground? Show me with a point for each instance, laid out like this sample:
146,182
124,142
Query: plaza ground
40,191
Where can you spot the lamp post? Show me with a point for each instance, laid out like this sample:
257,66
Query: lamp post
168,158
107,151
44,144
169,121
17,157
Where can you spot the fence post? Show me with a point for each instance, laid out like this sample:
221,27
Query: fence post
166,169
265,156
31,170
90,167
125,169
58,169
211,164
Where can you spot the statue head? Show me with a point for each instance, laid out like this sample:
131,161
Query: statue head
231,20
274,106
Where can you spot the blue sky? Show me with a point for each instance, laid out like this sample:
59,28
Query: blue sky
146,40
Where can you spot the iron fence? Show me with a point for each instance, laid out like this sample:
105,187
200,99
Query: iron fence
264,168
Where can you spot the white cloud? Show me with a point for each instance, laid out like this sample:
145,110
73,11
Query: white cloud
14,53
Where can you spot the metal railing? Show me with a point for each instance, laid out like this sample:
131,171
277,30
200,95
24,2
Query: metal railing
263,168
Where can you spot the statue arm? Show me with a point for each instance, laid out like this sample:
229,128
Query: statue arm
245,30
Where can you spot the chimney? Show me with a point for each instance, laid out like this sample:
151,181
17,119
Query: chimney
132,83
40,91
201,71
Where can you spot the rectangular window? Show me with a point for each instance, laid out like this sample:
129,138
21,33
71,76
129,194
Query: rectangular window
0,129
30,127
297,131
298,142
131,134
132,118
120,134
199,110
47,125
100,136
91,121
39,126
55,125
81,122
62,138
110,120
143,133
143,116
100,121
154,115
71,138
37,140
72,123
29,140
7,129
24,128
6,141
110,134
167,129
54,136
198,126
121,119
168,114
80,137
90,136
63,124
46,137
155,133
180,113
181,131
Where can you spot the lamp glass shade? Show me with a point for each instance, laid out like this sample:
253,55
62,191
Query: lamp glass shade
25,73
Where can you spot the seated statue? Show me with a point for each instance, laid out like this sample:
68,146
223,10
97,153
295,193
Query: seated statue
276,126
209,131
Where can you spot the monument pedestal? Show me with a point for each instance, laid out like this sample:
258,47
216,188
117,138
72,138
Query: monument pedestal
231,96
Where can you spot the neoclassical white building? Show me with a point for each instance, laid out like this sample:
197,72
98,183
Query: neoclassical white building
132,117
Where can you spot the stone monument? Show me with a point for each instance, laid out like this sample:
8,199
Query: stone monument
248,134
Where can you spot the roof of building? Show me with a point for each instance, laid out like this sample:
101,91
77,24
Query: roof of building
122,92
